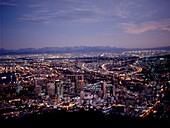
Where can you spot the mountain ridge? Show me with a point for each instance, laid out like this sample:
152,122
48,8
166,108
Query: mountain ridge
75,49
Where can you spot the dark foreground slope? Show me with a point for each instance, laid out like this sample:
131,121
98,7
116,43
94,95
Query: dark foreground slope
81,119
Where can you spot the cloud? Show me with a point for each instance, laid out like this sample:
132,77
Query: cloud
63,10
121,9
152,12
166,28
136,9
36,5
80,14
147,26
34,18
121,13
7,3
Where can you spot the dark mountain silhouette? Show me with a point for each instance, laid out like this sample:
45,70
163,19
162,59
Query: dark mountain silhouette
82,119
76,49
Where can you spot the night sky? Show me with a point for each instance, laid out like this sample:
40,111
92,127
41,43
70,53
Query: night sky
59,23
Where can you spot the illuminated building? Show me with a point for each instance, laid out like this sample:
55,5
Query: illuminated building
78,80
51,88
103,89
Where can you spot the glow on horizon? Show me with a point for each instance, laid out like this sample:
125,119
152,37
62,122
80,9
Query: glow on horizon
59,23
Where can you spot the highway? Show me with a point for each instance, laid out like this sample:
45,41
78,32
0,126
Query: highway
150,109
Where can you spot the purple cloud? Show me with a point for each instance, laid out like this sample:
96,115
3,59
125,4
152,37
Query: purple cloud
147,26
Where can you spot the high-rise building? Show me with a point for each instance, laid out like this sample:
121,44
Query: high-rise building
115,79
103,89
51,88
57,84
114,90
78,80
81,96
58,90
38,88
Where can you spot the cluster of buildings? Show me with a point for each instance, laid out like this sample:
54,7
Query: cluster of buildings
125,85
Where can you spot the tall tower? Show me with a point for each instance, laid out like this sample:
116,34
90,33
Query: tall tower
57,84
113,89
103,89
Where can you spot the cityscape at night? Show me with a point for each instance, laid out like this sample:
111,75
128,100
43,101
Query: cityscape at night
85,63
128,84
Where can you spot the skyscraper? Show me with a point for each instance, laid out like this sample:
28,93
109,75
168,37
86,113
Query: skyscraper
78,80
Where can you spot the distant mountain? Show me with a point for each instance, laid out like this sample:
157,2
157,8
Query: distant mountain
76,49
156,48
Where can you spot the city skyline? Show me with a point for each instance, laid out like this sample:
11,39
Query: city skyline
60,23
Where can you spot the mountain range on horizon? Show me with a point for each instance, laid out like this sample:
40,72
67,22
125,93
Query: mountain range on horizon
75,49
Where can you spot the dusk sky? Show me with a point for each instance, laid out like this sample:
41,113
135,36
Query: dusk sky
59,23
